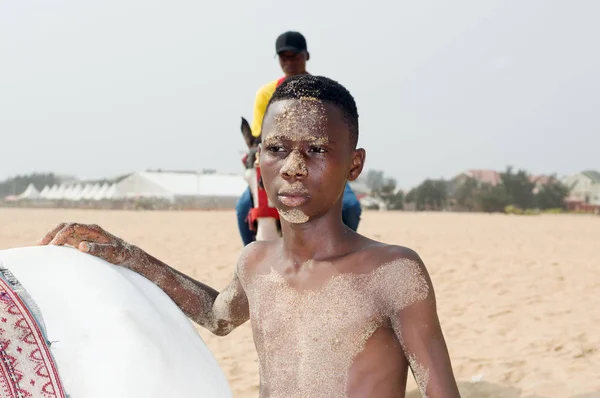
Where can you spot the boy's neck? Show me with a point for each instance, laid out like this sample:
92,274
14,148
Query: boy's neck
319,239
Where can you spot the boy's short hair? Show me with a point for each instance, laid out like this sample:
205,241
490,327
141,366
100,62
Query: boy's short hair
325,90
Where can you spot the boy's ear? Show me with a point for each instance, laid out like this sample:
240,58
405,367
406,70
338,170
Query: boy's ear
358,162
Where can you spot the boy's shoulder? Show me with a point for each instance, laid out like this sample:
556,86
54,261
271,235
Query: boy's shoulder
253,254
376,255
398,277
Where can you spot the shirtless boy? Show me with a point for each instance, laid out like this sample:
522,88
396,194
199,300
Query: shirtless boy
333,313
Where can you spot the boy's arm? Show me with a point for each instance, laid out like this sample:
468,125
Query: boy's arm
416,324
218,312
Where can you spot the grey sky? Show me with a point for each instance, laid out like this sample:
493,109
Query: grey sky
101,88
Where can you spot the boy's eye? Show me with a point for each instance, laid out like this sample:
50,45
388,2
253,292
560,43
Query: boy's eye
275,148
317,149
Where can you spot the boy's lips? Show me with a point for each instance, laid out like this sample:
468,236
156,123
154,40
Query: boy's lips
293,199
293,195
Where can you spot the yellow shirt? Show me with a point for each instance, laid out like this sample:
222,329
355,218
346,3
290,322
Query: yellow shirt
263,96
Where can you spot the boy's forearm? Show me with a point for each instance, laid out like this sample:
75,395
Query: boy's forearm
194,298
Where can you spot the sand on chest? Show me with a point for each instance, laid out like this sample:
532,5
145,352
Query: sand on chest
307,339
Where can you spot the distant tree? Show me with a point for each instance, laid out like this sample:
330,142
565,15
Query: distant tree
466,194
411,196
552,195
388,187
492,198
441,187
396,201
385,189
430,195
516,188
393,199
519,188
375,180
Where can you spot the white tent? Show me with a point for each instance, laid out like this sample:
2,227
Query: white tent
172,185
83,192
79,196
51,192
60,192
30,192
92,192
101,193
75,192
67,192
111,192
186,188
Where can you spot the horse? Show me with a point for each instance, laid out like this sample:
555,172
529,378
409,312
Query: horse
263,216
107,331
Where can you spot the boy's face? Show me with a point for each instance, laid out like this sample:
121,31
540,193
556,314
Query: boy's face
306,157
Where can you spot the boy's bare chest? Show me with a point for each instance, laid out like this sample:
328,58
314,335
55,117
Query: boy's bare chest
307,331
321,311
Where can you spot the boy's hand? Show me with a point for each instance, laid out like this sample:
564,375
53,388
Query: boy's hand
93,240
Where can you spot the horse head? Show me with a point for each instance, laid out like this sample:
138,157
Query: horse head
268,227
251,142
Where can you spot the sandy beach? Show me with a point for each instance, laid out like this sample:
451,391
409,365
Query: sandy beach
517,296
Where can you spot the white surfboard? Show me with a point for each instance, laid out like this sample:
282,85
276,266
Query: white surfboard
113,333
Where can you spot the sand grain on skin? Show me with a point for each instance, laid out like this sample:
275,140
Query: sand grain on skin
294,216
307,340
298,122
421,374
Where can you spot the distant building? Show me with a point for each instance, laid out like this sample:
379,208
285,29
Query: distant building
188,188
540,181
149,189
491,177
585,190
30,193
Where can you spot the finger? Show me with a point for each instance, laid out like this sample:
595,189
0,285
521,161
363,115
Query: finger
73,234
92,233
110,238
68,235
107,252
50,235
63,235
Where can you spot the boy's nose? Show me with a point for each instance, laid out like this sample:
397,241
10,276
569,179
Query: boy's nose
294,166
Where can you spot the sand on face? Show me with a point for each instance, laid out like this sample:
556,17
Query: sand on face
517,296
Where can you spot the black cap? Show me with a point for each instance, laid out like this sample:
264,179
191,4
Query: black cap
290,41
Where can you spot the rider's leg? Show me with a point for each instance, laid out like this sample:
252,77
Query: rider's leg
351,209
242,209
